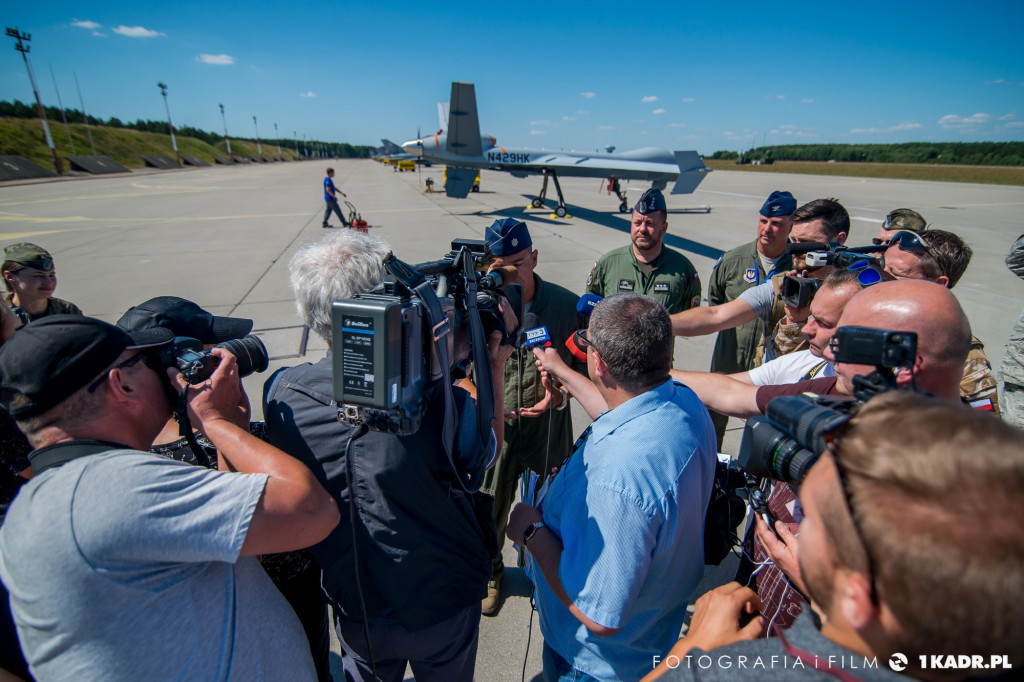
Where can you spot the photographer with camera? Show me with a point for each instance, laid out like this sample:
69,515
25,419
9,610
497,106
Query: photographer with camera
909,514
942,257
616,537
407,567
123,565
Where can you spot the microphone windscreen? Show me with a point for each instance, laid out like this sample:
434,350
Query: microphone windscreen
586,304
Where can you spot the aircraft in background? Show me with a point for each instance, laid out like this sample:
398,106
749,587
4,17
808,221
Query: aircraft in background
464,151
390,153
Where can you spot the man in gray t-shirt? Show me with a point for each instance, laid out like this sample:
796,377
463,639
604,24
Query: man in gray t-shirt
124,565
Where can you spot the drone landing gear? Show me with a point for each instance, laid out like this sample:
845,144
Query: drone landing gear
539,201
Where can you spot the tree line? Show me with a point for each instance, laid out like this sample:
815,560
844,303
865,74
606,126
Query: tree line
18,109
965,153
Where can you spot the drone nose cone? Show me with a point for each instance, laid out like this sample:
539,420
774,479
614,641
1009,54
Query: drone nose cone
414,147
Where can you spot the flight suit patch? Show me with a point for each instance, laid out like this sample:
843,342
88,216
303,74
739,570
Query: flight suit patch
750,275
626,285
661,287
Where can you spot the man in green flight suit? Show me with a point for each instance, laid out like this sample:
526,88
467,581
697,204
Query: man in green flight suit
740,269
538,425
646,266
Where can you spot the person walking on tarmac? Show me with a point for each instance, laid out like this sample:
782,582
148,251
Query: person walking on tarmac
331,197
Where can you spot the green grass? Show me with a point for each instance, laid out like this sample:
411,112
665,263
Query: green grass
995,175
24,137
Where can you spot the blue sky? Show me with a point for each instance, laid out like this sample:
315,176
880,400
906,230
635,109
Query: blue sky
567,75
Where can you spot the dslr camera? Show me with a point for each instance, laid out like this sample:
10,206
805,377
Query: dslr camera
197,364
785,443
395,345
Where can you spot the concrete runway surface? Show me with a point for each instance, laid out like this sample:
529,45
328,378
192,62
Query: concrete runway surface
222,237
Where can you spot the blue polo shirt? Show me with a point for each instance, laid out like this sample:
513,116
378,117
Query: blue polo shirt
328,182
629,508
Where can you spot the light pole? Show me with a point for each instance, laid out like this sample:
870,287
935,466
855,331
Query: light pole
21,47
88,130
259,149
295,136
278,142
63,115
225,120
170,126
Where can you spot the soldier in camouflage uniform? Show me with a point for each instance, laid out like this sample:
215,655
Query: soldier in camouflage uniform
942,257
1012,371
30,280
647,266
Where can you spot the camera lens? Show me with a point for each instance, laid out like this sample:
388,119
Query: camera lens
250,353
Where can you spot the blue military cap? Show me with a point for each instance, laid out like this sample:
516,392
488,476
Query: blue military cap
508,236
650,201
778,204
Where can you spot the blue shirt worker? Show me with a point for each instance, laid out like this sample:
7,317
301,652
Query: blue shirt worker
616,541
331,197
647,266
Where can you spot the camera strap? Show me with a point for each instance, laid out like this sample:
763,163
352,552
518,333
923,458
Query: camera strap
61,453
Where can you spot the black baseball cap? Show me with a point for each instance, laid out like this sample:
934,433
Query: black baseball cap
50,359
184,318
650,201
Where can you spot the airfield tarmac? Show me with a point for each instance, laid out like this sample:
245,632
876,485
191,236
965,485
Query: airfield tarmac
222,237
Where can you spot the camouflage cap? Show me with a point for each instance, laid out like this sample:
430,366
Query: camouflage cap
29,255
905,219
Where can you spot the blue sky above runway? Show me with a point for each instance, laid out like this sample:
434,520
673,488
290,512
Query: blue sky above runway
569,75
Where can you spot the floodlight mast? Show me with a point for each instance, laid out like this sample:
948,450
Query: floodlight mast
88,130
170,126
259,148
24,49
225,120
63,115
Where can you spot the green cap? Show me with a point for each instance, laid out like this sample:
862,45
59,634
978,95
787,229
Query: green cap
29,255
905,219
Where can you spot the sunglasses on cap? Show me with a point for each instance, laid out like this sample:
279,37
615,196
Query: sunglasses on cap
867,274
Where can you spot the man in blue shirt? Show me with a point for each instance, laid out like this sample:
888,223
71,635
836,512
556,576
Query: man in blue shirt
616,539
331,197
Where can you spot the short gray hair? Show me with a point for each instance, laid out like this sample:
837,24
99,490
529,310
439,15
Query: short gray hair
339,266
633,335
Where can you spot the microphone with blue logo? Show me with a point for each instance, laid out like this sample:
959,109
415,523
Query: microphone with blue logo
535,335
585,306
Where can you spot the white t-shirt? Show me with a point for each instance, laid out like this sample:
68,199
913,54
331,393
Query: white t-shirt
789,369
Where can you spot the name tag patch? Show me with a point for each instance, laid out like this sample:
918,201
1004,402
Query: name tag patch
626,285
661,287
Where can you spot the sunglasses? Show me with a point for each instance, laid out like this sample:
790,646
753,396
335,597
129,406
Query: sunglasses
133,360
867,273
913,242
582,342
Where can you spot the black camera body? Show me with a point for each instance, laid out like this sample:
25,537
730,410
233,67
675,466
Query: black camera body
384,367
785,443
797,291
834,253
197,364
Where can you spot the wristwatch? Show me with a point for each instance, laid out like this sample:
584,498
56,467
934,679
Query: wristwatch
531,530
565,399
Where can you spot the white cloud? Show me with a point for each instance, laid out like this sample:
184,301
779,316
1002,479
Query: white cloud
99,35
963,123
658,111
1007,117
807,101
221,59
1015,124
905,125
689,99
137,32
676,125
995,82
780,97
310,94
607,128
649,98
639,120
91,25
588,95
541,123
568,118
538,132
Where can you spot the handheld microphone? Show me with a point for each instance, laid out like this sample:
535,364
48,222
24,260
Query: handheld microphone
535,333
577,352
586,304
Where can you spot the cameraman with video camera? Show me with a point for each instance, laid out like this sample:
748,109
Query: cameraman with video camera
910,549
408,565
124,565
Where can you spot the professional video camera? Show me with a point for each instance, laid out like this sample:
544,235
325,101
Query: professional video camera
785,443
197,364
833,253
797,291
394,346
